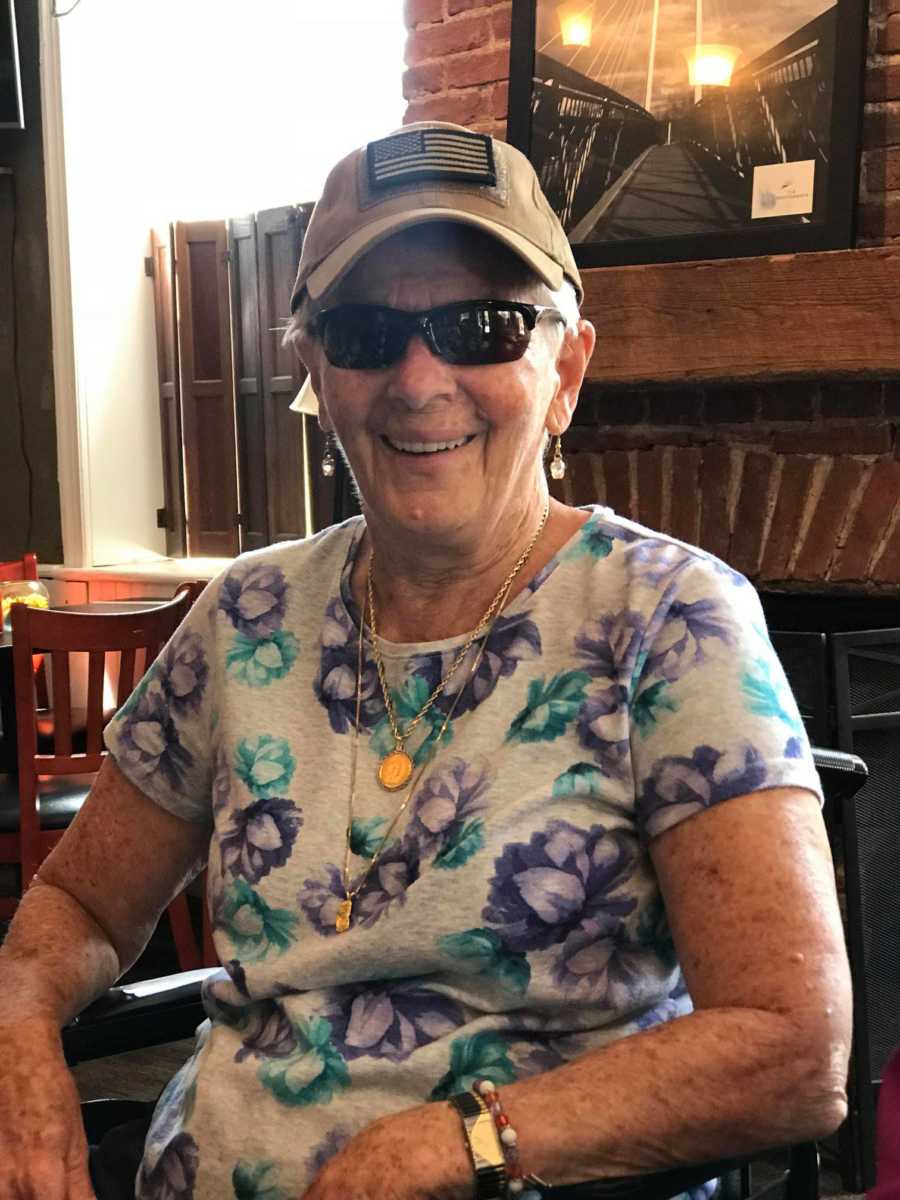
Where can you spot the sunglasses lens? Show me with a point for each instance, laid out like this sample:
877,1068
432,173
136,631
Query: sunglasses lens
479,334
359,337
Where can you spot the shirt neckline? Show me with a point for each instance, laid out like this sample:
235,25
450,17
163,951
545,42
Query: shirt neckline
420,649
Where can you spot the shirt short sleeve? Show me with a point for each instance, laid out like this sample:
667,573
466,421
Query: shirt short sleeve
162,736
712,715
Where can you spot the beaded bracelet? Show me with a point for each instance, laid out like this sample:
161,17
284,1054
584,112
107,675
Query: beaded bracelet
509,1140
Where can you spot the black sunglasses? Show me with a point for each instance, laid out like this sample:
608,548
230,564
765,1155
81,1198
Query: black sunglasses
472,333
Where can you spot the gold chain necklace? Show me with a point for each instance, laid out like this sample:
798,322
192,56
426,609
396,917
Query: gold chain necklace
396,767
345,908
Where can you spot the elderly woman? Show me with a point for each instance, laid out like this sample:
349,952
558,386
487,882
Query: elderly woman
497,795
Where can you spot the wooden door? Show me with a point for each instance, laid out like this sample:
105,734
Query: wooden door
171,516
279,239
249,413
207,387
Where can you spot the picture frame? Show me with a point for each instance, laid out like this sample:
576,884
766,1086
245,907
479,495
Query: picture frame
678,130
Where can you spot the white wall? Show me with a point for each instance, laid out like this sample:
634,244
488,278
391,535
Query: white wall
190,109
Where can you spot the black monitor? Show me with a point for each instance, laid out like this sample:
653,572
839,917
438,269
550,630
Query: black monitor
11,114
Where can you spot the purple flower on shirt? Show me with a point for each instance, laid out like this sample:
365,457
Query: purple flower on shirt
681,643
543,889
183,672
254,598
260,838
148,741
679,786
388,1020
598,962
320,900
173,1175
603,728
609,648
512,640
446,805
387,883
335,683
268,1033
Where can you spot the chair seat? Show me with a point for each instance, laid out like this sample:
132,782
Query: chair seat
61,797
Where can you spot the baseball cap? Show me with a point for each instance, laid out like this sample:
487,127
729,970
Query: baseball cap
429,171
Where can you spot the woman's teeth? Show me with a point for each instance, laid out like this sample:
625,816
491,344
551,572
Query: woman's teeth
426,447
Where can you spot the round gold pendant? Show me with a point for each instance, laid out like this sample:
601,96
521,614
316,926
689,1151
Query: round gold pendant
395,770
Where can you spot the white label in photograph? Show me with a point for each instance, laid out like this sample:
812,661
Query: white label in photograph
784,189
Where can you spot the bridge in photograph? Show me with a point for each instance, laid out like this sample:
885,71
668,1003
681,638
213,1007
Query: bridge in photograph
664,193
615,170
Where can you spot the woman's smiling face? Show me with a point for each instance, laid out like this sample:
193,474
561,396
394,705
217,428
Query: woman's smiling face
489,420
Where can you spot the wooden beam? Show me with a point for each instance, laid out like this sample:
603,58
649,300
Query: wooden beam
746,319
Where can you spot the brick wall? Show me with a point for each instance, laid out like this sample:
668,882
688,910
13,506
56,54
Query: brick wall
796,485
457,56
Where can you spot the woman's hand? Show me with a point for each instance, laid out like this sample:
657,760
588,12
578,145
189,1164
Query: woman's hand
419,1154
43,1153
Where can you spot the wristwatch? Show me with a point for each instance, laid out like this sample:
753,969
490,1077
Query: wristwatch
484,1145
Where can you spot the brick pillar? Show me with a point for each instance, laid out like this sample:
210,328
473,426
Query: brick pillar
880,184
457,56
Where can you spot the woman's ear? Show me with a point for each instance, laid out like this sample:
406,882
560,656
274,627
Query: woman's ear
571,365
310,354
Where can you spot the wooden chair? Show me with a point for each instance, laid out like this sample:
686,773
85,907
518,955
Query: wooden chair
36,809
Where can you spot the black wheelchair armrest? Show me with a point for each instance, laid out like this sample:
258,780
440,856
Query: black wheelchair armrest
655,1186
137,1015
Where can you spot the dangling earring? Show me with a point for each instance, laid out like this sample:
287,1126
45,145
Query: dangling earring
558,463
328,457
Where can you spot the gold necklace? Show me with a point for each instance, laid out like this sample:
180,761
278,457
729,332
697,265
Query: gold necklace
345,908
396,767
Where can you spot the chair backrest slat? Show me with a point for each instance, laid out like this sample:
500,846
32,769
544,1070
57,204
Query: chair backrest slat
62,703
126,677
94,722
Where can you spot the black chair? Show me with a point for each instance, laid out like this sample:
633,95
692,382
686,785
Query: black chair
157,1011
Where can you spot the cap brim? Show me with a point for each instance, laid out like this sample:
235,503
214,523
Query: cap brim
306,401
330,270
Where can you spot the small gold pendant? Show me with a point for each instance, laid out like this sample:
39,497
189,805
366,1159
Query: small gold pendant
395,770
342,921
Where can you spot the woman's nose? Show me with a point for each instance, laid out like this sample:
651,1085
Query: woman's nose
420,375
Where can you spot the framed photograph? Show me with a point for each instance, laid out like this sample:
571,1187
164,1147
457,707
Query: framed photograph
673,130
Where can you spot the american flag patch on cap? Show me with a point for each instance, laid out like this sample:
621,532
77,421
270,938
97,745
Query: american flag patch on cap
438,154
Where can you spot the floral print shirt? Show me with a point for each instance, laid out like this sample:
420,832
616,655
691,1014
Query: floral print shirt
514,920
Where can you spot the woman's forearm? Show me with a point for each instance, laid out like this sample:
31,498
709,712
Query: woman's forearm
55,959
710,1085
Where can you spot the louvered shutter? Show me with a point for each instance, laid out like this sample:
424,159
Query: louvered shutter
251,428
207,387
172,516
279,234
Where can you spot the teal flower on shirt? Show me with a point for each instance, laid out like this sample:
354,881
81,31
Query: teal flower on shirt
256,1181
254,927
650,705
594,540
761,691
581,779
409,700
484,952
259,662
550,708
366,837
265,764
313,1074
482,1056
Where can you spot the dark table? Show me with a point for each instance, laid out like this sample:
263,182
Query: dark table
7,685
